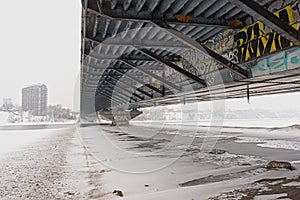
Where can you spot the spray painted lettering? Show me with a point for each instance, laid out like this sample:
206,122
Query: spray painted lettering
256,39
253,41
278,62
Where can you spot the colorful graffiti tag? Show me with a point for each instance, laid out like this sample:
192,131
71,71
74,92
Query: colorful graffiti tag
278,62
173,76
194,62
240,46
256,39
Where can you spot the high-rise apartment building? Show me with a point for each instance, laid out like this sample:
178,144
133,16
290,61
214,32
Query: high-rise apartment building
34,99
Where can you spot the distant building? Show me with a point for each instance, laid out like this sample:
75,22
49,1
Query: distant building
34,99
7,104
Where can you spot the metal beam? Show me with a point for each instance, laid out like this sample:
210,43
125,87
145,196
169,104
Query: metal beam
116,96
118,41
138,89
202,49
128,96
131,57
119,70
124,89
137,80
131,86
112,86
108,103
155,89
117,101
169,18
160,79
173,66
269,19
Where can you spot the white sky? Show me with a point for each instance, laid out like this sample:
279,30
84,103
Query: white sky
40,43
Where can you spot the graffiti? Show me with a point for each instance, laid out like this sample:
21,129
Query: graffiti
256,39
222,42
197,63
232,56
240,46
253,41
210,79
173,76
278,62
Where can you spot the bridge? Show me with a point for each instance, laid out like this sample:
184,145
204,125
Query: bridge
143,53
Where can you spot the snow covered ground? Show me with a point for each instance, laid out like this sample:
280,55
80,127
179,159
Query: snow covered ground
264,122
153,161
175,161
42,164
11,141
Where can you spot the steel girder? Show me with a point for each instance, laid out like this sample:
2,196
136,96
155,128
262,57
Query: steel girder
136,80
160,79
195,45
122,89
128,42
173,66
126,90
129,57
122,73
202,49
121,94
132,86
269,19
169,18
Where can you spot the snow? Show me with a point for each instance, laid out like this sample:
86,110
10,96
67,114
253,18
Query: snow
270,197
262,123
280,144
162,168
292,184
174,156
3,117
14,140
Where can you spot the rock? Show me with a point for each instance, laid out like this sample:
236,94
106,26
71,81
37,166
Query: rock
70,193
244,164
270,180
217,151
118,193
279,164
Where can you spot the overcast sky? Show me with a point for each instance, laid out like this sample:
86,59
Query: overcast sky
40,43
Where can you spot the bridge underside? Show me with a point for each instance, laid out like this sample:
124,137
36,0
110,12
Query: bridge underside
141,53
